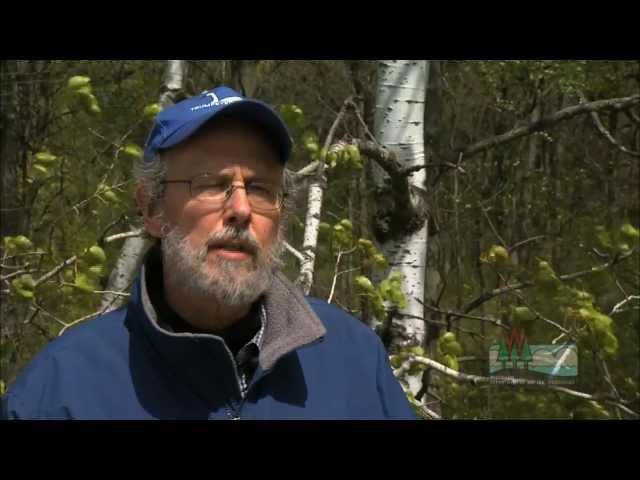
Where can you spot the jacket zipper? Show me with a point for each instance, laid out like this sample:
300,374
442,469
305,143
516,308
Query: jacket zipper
235,413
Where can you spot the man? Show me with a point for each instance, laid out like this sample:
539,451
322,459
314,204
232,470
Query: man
212,329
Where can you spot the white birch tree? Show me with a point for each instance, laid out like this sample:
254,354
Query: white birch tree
134,248
399,118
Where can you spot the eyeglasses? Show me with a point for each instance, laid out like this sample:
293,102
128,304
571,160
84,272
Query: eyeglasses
211,189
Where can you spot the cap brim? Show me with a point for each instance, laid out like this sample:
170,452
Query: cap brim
254,109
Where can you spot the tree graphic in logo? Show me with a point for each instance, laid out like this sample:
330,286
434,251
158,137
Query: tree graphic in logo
522,352
503,354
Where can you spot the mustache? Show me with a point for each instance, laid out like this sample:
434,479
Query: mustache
235,238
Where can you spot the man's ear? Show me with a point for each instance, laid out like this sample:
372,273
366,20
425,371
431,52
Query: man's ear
152,220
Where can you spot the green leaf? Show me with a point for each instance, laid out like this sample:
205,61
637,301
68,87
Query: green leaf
609,344
354,154
322,155
497,255
451,348
110,196
45,158
133,150
342,236
23,287
377,306
9,244
85,93
417,350
397,297
451,362
522,315
332,159
364,284
150,111
96,255
396,361
346,223
310,142
97,271
27,281
545,275
94,108
22,242
385,288
84,283
324,228
293,116
379,262
39,171
366,245
629,233
448,337
68,275
78,81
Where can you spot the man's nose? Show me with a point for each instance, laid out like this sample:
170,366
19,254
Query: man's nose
237,208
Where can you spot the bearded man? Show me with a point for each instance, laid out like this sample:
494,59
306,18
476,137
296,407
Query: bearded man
213,329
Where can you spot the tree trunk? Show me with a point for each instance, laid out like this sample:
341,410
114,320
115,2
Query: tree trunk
134,248
244,76
400,99
11,206
10,209
311,226
610,173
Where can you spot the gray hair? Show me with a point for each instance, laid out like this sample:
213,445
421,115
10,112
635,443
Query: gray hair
150,174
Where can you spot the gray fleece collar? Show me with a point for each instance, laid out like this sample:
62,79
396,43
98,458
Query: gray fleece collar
291,323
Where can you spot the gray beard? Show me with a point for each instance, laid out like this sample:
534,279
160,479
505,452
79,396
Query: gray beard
229,283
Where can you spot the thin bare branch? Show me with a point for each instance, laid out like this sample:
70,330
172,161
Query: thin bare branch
513,381
363,123
52,272
293,251
618,104
48,314
606,133
110,292
336,273
15,274
82,319
453,326
545,319
618,306
494,321
118,236
310,169
486,296
515,246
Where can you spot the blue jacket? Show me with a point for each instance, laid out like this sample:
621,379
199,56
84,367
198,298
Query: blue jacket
317,362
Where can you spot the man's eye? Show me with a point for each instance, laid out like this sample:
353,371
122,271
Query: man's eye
261,190
210,187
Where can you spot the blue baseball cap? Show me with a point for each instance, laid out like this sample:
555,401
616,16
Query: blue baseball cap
177,123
